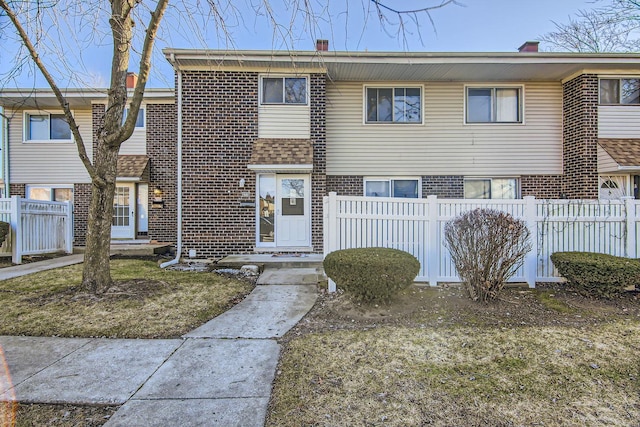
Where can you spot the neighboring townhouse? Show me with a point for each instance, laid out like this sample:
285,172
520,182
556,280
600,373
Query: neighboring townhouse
266,134
260,137
43,160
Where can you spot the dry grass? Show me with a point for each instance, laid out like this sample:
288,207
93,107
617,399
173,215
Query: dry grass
146,302
29,415
472,376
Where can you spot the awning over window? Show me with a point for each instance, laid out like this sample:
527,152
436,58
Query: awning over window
281,155
620,154
133,168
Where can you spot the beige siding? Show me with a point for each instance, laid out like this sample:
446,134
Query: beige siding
619,121
49,162
137,144
606,162
444,145
284,121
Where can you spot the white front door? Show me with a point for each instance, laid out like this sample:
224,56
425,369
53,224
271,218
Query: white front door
293,211
124,220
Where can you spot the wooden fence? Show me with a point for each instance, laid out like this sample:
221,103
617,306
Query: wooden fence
417,226
37,227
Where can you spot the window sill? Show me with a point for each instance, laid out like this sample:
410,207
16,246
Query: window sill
48,141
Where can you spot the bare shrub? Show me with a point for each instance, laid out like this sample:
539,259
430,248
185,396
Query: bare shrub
487,247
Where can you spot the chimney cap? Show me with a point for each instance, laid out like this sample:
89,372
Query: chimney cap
529,46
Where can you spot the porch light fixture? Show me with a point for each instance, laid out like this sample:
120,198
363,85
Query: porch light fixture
242,181
157,202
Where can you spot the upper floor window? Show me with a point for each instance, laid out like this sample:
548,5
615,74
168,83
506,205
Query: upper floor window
39,126
494,105
490,188
391,187
393,105
284,90
139,119
620,91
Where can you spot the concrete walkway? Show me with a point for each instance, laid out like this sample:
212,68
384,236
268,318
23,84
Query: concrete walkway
217,375
35,267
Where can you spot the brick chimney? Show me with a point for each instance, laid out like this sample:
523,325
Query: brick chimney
132,80
529,47
322,45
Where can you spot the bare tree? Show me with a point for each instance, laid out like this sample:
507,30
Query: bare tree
44,26
614,28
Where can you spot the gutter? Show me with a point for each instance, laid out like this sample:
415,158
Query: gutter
179,170
4,147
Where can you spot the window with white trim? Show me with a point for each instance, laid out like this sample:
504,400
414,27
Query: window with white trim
392,187
40,126
140,120
393,105
55,193
494,104
620,91
491,188
284,90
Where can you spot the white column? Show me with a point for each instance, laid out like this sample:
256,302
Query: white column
433,242
16,230
531,259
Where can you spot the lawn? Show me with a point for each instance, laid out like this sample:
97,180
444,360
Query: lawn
145,302
536,357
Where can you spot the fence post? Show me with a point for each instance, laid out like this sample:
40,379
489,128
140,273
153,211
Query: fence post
531,258
433,243
16,230
630,208
69,228
331,230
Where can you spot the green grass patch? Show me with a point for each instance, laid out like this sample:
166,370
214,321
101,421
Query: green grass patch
398,376
145,302
547,298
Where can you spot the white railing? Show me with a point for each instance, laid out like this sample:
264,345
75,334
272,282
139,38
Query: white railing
37,227
417,226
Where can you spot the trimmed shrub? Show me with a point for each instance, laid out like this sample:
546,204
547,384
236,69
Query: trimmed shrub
487,247
371,274
599,275
4,231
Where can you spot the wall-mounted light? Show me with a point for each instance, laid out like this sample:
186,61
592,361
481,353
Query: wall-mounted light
242,181
157,194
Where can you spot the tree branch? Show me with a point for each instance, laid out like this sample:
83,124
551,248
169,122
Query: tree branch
82,152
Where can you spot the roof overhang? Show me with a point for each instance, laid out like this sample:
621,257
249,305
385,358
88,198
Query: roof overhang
409,66
77,98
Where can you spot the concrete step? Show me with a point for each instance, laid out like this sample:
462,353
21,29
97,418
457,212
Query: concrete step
289,276
270,261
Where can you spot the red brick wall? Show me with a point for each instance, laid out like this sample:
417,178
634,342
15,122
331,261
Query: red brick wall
542,186
444,186
162,150
81,201
18,190
319,141
219,126
345,185
580,137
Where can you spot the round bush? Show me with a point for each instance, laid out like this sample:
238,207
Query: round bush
597,275
4,231
371,274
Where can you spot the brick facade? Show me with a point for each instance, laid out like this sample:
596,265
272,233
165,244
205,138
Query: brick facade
18,189
444,186
345,185
542,186
319,141
81,201
580,137
162,137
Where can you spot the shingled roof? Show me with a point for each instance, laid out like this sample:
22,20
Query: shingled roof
275,151
624,151
133,166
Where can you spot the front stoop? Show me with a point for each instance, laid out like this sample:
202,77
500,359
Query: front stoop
275,261
289,276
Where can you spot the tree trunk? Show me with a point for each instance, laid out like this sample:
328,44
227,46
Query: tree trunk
96,276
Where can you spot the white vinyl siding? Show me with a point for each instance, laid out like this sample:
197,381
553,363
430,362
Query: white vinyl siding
136,144
606,162
444,144
285,121
619,121
46,162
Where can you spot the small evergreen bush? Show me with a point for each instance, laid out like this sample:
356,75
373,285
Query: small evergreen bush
371,274
487,247
599,275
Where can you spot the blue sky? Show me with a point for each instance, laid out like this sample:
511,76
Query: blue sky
478,26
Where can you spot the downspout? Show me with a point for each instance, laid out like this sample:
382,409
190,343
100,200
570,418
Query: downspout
179,170
5,154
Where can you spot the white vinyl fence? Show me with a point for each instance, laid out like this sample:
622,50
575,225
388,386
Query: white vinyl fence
417,226
37,227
